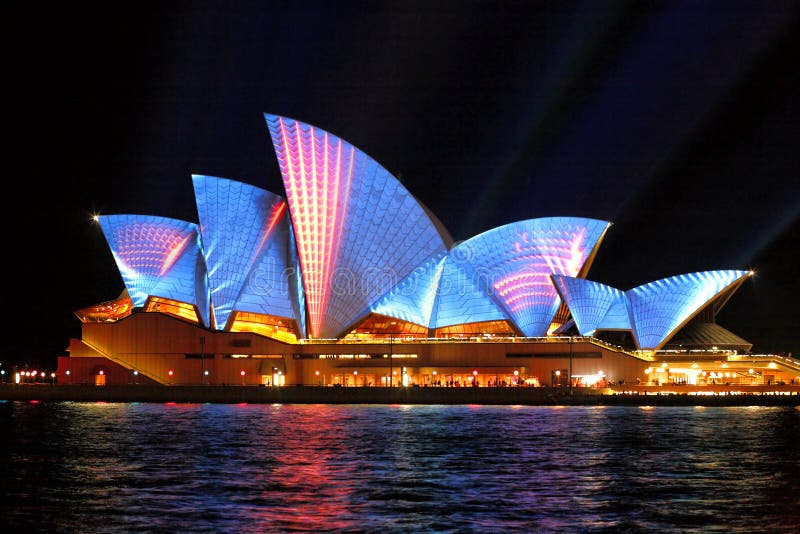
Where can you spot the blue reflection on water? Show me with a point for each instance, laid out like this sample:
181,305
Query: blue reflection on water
254,468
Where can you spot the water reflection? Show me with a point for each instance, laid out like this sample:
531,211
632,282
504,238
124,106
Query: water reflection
255,468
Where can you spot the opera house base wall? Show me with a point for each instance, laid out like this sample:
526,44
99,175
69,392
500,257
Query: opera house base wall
157,349
170,351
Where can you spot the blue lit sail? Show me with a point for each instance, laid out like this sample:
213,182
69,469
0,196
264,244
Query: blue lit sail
660,308
413,298
513,264
590,302
242,225
460,299
158,256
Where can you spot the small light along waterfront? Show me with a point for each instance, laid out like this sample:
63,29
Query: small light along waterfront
682,395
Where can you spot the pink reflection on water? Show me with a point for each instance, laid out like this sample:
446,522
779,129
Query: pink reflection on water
314,486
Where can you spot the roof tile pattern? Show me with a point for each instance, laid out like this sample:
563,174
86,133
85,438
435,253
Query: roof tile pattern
659,308
653,312
513,264
238,223
359,232
589,302
157,256
460,298
413,298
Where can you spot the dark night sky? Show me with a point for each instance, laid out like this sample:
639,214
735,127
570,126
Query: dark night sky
677,121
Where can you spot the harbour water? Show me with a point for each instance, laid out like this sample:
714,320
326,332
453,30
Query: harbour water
125,467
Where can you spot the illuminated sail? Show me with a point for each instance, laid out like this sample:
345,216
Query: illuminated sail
245,243
157,256
359,232
659,309
513,264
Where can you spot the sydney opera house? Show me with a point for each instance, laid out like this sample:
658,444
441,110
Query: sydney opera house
350,280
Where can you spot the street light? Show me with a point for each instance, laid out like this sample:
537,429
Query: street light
570,365
391,346
392,324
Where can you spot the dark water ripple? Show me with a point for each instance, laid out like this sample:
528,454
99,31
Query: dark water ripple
93,467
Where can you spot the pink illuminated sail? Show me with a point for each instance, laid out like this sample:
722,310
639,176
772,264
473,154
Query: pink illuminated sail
358,231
